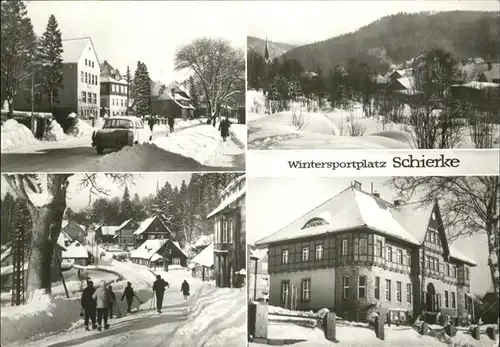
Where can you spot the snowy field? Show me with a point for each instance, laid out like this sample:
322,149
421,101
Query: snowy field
330,129
210,317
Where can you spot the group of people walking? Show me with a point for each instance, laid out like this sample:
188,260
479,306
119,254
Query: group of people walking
170,120
97,303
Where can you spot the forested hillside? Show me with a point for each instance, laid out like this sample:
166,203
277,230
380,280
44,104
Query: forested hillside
397,38
275,48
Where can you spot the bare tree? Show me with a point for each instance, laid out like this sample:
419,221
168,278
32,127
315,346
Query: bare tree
469,204
219,67
45,197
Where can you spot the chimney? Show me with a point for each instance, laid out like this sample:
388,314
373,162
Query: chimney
489,66
397,203
356,184
376,194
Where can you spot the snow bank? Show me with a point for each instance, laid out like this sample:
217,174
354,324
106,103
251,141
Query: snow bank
81,128
239,134
15,135
280,310
255,102
55,132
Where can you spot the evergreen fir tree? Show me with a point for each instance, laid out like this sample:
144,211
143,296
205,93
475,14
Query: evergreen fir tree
49,54
17,49
128,78
126,210
164,206
142,87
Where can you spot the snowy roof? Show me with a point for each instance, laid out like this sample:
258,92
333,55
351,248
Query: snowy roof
406,82
75,251
225,203
64,223
124,224
231,184
179,248
146,223
204,240
205,257
155,257
456,254
111,79
73,49
5,254
108,230
478,85
178,99
148,249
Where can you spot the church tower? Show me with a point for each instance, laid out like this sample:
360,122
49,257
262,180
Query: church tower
267,58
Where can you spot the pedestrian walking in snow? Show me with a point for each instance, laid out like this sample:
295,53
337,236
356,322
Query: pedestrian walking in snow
159,289
171,123
129,294
185,289
89,305
103,302
113,301
151,122
224,128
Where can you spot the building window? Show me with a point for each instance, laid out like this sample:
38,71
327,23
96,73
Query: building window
285,289
377,287
408,258
467,273
176,261
433,263
454,271
319,252
378,248
388,290
344,246
398,291
230,231
86,77
466,300
447,269
453,300
363,246
121,102
388,253
151,237
92,64
345,285
284,256
361,287
82,76
438,268
224,231
306,290
446,299
86,62
427,261
399,255
408,293
94,98
84,96
305,254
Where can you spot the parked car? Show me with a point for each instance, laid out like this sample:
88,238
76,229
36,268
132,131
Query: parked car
118,132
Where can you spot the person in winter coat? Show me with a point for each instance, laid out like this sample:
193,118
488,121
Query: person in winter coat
151,122
171,123
103,302
113,300
129,294
224,128
159,289
185,289
89,305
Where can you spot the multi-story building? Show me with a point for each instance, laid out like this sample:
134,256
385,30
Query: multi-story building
173,101
114,90
124,235
80,84
230,234
357,253
150,229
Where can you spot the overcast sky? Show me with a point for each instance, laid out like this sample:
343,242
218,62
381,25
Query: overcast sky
124,32
142,184
301,22
273,203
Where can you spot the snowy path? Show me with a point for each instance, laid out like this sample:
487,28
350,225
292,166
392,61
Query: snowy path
317,132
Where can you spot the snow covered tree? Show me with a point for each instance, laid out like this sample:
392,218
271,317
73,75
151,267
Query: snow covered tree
45,198
49,56
17,50
469,205
142,88
126,210
193,93
164,206
219,68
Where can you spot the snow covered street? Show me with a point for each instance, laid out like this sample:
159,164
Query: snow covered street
197,147
210,317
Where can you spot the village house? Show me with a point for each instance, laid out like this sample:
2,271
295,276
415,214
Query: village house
114,90
75,253
150,229
202,265
159,253
124,234
229,234
173,101
73,230
105,233
357,253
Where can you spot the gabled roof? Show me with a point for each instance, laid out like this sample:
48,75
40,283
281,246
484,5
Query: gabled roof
352,209
225,203
73,49
124,224
147,249
179,248
108,230
75,251
144,225
205,257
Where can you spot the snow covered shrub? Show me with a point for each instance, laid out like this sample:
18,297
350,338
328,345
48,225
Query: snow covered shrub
54,132
15,135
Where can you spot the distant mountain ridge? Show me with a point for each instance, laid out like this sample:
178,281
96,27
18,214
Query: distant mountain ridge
276,49
394,39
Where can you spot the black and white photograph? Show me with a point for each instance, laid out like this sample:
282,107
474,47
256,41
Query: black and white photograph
111,259
383,261
122,86
373,75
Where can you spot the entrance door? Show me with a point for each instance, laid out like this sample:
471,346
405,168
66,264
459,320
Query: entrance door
430,298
